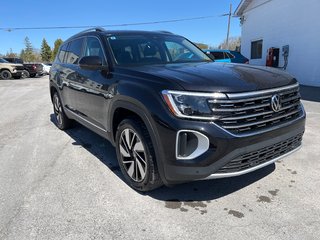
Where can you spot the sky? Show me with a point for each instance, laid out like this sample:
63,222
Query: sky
37,13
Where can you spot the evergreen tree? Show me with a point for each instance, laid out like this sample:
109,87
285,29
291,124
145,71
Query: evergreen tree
28,51
46,52
22,54
57,44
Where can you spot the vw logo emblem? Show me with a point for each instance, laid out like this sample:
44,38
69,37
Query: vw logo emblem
275,103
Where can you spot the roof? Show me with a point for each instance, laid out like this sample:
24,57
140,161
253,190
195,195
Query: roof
242,6
117,32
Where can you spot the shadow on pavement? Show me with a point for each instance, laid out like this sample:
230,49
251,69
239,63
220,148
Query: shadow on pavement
193,191
310,93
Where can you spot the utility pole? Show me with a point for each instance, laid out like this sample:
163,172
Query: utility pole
229,18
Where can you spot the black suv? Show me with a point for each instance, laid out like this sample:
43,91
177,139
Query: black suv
172,113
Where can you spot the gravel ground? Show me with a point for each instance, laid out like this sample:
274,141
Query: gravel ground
67,185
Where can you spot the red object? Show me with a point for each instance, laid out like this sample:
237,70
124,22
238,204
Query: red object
272,57
269,61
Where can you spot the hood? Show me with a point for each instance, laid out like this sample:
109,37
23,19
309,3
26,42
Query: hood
12,64
219,77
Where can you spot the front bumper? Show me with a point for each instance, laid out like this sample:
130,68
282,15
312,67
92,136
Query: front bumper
224,149
17,73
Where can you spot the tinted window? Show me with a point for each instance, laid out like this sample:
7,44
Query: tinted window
3,61
229,55
61,53
217,55
74,51
93,48
256,49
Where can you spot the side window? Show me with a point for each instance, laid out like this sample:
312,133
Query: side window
74,51
93,48
229,55
61,53
218,55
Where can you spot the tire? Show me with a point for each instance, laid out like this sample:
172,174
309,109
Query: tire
32,75
25,74
136,156
63,122
5,74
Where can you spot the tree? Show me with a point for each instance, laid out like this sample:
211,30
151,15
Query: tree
11,54
234,43
57,44
46,53
28,51
22,54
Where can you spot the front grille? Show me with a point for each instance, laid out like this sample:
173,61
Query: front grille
19,68
262,155
243,114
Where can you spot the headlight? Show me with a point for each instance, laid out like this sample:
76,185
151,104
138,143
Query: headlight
192,105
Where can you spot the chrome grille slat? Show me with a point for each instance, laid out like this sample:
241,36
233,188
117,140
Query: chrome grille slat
240,109
257,114
265,121
240,100
252,111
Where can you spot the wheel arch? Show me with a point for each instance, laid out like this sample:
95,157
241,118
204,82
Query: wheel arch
124,109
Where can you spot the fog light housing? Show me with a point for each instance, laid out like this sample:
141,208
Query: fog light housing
190,144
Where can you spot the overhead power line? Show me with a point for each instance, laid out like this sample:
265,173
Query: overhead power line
10,29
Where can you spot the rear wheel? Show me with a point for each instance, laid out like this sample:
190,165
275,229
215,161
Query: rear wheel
5,74
63,122
136,155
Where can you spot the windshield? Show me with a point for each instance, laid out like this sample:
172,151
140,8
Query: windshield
154,49
3,61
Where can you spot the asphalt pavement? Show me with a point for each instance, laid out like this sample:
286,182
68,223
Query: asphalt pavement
67,185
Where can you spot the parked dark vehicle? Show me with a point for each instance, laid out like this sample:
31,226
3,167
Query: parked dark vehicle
228,56
174,119
31,69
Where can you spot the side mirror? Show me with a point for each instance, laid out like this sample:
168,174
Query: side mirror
92,63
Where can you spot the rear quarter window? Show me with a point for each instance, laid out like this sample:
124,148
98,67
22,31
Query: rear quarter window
74,51
62,53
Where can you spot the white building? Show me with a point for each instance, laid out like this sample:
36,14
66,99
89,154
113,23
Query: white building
277,23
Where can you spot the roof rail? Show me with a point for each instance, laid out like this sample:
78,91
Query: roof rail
162,31
95,29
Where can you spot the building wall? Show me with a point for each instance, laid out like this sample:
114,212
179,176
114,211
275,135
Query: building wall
286,22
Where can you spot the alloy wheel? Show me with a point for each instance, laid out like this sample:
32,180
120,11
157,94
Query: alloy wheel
57,109
133,155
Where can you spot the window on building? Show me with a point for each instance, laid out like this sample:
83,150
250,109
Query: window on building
256,49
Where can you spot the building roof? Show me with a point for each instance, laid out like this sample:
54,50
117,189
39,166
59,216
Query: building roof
242,6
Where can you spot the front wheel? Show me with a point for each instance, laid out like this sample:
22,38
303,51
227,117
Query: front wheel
5,74
25,74
136,156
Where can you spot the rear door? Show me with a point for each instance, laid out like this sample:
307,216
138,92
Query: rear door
70,72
